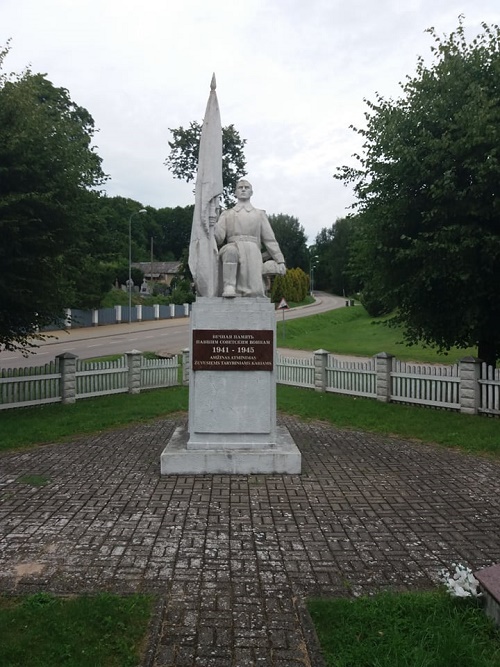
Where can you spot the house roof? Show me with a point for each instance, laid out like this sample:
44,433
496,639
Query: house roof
158,267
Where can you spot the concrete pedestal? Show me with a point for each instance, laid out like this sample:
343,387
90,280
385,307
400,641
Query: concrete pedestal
232,413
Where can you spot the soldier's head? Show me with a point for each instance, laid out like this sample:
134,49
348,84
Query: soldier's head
243,189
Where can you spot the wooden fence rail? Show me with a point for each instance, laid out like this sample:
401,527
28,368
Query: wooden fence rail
426,385
469,386
20,387
68,379
160,373
101,377
489,387
296,372
356,378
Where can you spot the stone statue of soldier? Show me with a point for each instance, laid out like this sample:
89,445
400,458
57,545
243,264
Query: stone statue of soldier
241,232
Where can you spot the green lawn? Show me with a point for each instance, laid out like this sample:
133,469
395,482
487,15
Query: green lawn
471,433
352,331
89,631
405,630
27,427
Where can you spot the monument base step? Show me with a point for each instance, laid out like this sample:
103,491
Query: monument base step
282,457
489,578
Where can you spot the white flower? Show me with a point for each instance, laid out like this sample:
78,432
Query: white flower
462,583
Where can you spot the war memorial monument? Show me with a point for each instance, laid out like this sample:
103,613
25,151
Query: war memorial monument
232,425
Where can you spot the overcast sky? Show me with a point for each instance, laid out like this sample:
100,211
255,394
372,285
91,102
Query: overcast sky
291,76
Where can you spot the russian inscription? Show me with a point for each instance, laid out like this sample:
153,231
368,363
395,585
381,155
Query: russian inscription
232,350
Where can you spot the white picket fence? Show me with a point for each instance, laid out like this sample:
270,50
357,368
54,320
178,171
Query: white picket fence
489,386
446,387
357,378
468,386
426,385
50,384
98,378
163,374
21,387
296,372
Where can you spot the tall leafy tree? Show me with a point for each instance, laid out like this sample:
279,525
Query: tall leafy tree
183,158
428,190
111,226
292,240
333,249
103,252
175,231
164,232
47,171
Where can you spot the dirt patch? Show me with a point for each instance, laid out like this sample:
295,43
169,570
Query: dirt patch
26,570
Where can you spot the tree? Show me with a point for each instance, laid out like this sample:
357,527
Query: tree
428,190
184,149
47,170
292,240
333,249
110,225
182,286
103,254
292,287
175,231
170,229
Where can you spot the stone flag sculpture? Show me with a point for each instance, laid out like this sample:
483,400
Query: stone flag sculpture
232,425
203,257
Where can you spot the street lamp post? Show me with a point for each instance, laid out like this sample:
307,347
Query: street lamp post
313,259
141,211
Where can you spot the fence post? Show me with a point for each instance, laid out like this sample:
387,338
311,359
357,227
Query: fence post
67,366
118,314
172,310
320,360
383,368
134,371
67,318
95,317
469,371
138,310
186,310
156,309
185,366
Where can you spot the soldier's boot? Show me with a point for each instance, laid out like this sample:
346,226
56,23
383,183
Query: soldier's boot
229,270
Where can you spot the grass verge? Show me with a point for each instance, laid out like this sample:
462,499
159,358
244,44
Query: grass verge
28,427
46,631
352,331
428,629
472,433
115,357
306,302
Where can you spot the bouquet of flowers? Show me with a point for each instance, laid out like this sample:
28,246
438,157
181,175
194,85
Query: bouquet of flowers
460,583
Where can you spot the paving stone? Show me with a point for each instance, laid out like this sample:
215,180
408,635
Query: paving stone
233,556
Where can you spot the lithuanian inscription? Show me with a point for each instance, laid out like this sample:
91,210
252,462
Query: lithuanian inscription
232,350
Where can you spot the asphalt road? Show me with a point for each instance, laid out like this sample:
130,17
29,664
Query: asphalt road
166,336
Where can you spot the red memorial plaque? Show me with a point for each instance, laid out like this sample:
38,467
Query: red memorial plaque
232,350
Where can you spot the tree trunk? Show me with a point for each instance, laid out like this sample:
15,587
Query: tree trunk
487,351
